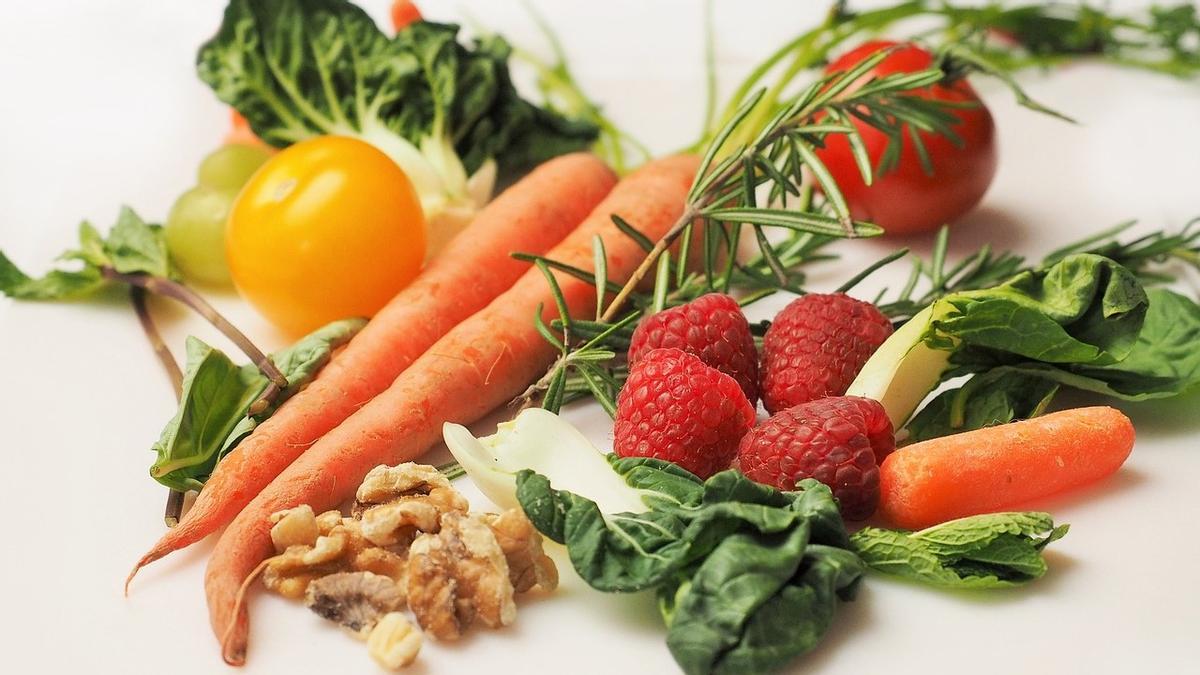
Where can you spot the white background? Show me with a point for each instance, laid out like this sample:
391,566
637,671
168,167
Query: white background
99,106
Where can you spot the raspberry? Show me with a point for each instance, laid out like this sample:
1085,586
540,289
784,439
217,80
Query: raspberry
839,441
676,408
713,328
816,346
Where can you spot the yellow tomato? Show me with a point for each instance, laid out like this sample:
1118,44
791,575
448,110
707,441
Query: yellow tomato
328,228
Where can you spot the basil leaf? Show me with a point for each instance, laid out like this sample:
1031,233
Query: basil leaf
747,576
216,395
994,550
213,408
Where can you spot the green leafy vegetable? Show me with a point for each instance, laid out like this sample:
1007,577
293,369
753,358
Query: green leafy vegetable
132,247
214,408
1163,362
988,551
727,556
443,111
1084,311
998,396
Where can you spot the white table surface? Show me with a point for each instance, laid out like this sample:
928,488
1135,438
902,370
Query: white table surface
100,106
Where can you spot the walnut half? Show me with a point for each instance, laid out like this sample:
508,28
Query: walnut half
458,575
528,564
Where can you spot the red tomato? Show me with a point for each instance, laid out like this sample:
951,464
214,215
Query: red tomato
907,199
404,12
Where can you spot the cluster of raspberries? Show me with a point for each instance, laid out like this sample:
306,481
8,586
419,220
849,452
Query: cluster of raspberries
696,378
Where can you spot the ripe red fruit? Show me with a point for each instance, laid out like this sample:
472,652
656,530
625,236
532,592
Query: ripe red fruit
711,327
676,408
816,346
908,199
839,441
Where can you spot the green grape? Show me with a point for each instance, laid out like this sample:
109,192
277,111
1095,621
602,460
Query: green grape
195,232
230,166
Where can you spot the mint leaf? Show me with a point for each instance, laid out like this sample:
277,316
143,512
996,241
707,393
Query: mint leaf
994,550
55,285
134,246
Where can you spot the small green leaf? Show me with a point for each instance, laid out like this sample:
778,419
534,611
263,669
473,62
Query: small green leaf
662,281
633,233
55,285
600,264
797,220
134,246
994,550
212,417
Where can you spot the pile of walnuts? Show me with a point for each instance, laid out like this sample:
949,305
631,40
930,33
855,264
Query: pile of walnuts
410,541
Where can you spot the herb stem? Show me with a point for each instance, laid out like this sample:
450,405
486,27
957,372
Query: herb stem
689,214
137,295
179,292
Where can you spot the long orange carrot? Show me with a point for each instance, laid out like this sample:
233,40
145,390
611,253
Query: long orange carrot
532,216
482,363
1000,467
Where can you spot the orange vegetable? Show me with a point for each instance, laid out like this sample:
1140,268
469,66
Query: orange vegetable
240,131
533,215
482,363
404,12
997,468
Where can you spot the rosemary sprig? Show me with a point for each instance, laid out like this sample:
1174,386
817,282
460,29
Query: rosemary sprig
1145,255
1163,39
780,159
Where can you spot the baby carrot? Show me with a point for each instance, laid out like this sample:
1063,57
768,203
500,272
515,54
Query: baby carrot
531,216
482,363
999,467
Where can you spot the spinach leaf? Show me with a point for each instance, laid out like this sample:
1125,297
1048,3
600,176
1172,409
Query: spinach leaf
794,620
747,575
133,246
988,551
998,396
1084,309
1163,362
442,110
213,408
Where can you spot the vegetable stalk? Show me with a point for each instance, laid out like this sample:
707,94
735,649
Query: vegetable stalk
137,295
177,291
